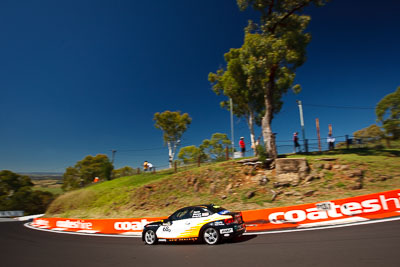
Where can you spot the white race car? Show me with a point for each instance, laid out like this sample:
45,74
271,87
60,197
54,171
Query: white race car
208,223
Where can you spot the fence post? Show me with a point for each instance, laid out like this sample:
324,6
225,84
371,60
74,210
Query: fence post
347,141
154,169
226,153
138,171
175,167
306,145
198,161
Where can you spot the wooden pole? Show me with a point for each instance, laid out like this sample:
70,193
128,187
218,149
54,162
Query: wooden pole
319,137
175,167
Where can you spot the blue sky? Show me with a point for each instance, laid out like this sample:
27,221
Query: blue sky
83,77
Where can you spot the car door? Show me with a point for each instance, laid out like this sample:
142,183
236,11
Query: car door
177,224
197,218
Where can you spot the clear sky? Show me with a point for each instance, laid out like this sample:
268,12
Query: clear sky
82,77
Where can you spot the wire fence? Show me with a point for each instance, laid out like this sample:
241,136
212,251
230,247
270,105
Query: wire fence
322,144
283,147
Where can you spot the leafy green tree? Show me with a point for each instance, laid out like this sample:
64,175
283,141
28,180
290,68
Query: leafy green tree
71,179
216,146
247,99
32,202
173,124
191,154
124,171
16,193
86,170
273,49
388,113
40,200
11,182
98,166
371,133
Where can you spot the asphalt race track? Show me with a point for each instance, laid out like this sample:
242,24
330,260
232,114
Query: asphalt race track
363,245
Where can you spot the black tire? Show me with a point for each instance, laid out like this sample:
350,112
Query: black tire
150,237
211,236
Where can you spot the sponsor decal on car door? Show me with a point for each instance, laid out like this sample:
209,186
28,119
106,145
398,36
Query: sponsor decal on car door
175,229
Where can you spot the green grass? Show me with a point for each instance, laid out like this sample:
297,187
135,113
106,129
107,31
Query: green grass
101,198
340,184
131,181
328,176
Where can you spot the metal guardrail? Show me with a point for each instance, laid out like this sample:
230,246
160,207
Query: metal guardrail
11,213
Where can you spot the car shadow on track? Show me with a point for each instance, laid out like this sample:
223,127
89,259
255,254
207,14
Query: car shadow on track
241,239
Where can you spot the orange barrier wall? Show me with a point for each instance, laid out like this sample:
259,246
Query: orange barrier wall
105,226
373,206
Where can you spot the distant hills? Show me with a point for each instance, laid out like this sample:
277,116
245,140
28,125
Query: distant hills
43,175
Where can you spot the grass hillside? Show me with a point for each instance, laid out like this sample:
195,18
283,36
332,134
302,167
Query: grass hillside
333,175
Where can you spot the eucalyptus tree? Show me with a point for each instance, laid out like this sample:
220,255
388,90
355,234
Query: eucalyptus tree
388,113
272,51
215,148
17,193
85,170
247,99
192,154
371,133
173,124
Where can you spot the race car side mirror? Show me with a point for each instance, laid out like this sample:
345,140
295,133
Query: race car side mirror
167,222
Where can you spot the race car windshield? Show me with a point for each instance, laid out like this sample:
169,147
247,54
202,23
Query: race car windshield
217,209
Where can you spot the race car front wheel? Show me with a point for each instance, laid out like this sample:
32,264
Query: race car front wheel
150,237
211,236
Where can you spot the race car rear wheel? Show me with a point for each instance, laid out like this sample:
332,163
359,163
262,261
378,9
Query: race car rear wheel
150,237
211,236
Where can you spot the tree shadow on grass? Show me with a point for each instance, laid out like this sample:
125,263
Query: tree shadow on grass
358,151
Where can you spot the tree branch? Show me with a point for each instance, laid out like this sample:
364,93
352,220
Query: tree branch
271,7
273,28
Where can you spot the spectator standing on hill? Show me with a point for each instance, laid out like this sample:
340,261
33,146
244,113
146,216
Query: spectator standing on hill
150,166
296,142
242,146
145,165
331,142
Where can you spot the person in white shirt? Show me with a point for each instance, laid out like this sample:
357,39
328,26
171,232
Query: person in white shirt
331,142
150,166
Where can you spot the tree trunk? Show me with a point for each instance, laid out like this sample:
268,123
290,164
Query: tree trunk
268,135
250,122
387,142
170,154
171,151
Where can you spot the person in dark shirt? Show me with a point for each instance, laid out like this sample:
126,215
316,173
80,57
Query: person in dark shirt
296,142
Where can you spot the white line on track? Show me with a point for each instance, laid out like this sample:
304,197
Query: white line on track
75,233
324,227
